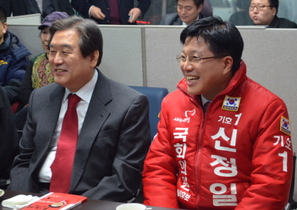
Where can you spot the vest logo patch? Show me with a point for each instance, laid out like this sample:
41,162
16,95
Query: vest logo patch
188,115
285,125
231,103
2,62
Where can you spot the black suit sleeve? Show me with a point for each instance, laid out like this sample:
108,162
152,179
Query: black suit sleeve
143,5
5,4
81,6
50,6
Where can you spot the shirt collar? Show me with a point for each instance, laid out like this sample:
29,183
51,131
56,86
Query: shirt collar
204,100
85,93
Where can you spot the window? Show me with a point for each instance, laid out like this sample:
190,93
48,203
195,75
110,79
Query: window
223,8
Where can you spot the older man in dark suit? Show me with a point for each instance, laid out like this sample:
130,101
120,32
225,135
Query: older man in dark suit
112,11
112,124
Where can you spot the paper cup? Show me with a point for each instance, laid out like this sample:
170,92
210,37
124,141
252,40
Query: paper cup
132,206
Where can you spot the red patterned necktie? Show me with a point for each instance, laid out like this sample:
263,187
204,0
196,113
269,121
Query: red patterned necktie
62,165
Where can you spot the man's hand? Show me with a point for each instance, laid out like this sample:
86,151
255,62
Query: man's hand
135,12
97,13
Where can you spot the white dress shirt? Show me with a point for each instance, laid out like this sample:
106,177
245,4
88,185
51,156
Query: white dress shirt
85,93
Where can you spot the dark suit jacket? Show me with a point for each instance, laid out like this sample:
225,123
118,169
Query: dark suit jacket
282,23
25,7
50,6
8,137
173,19
111,148
17,7
83,6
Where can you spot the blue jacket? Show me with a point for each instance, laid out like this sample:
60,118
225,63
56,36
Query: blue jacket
13,62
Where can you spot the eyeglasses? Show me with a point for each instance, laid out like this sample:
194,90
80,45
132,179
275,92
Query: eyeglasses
259,7
195,58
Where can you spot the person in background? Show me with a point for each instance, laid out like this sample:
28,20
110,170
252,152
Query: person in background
226,143
13,60
112,11
264,12
8,140
85,134
187,12
38,72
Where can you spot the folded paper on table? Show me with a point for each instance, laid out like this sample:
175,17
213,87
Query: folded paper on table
57,201
19,201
